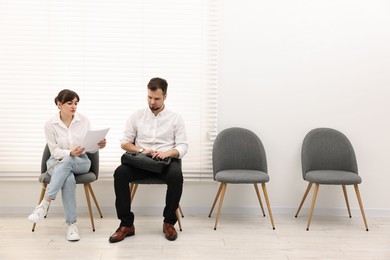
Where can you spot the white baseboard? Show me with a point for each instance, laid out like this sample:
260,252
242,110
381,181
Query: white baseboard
203,211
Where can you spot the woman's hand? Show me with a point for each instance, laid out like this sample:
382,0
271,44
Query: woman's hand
102,143
77,151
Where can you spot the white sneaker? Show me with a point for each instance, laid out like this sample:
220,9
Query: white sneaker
38,214
73,233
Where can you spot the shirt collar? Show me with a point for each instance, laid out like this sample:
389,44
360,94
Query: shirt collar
162,112
57,119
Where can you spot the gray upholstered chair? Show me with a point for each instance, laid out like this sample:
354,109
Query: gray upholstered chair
149,181
239,158
328,158
85,179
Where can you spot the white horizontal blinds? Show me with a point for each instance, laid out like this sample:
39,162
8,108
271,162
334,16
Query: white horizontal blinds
24,85
107,51
210,94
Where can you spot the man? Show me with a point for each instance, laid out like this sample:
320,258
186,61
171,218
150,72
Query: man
161,133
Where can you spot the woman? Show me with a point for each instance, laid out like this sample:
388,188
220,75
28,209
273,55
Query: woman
64,133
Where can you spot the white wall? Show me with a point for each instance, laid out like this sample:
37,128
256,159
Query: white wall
287,67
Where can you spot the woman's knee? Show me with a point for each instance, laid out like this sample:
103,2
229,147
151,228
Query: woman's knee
66,164
67,160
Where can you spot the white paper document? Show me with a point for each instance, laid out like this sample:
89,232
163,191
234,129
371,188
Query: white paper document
91,139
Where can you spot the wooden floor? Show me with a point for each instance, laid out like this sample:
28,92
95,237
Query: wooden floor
237,237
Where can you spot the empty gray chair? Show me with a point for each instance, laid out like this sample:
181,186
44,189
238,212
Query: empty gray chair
328,158
85,179
239,158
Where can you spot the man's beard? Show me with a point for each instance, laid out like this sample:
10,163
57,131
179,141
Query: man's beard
156,108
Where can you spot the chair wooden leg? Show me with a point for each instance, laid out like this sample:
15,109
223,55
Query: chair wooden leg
223,190
39,201
312,205
259,198
181,212
361,205
94,199
304,198
268,205
216,199
89,205
133,190
346,200
131,187
178,219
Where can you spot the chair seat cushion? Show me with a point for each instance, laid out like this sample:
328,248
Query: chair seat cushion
241,176
80,178
333,177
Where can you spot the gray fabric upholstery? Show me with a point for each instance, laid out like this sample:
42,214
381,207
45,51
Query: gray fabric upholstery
91,176
242,176
333,177
239,157
328,158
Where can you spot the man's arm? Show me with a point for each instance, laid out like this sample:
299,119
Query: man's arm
181,144
129,135
131,148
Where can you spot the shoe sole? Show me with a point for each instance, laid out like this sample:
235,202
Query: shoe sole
35,221
73,240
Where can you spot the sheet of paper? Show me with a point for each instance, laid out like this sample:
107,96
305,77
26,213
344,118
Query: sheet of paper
91,139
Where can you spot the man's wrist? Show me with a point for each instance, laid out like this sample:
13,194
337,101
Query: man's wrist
141,150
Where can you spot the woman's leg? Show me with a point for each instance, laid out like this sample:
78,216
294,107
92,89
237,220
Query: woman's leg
68,192
80,165
62,177
58,174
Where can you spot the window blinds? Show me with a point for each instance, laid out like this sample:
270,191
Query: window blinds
106,51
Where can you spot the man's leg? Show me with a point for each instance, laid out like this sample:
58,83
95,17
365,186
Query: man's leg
122,195
173,176
123,175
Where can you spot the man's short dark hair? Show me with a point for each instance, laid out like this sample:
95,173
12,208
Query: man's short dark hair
158,83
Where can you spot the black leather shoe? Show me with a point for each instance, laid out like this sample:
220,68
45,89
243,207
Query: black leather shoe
170,231
121,233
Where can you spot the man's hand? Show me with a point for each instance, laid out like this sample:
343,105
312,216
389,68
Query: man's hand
163,155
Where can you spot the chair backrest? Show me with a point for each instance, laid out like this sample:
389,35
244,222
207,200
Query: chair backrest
45,156
327,149
238,148
94,157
